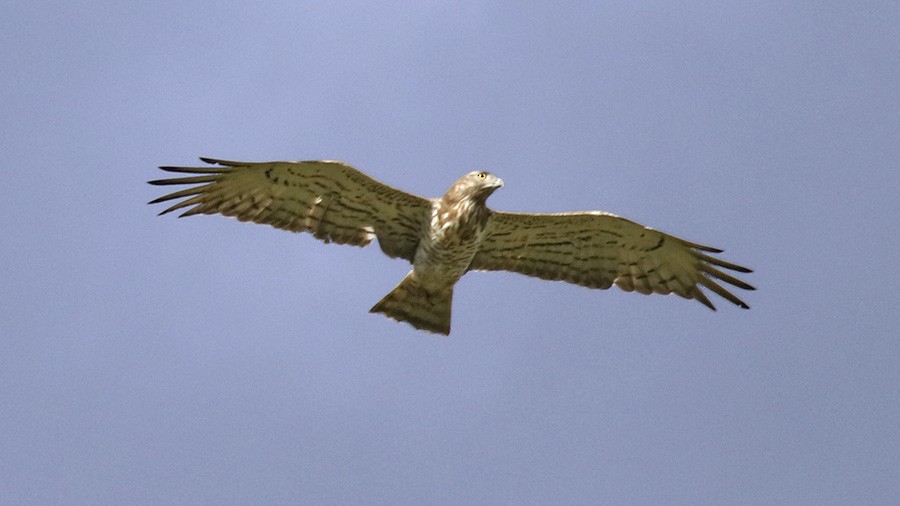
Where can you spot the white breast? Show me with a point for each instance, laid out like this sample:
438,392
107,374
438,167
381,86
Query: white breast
444,254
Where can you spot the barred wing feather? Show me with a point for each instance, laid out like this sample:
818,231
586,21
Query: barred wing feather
597,249
331,200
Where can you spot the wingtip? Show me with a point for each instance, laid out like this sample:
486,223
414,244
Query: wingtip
703,299
221,162
703,247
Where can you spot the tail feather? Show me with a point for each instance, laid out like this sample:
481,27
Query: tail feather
410,302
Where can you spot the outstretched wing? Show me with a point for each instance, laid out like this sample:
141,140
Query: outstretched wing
331,200
597,250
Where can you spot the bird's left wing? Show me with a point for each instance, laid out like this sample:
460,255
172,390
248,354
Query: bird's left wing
597,249
331,200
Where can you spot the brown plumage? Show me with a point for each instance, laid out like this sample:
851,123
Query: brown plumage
446,237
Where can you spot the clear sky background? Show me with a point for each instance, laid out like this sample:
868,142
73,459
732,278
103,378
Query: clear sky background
148,360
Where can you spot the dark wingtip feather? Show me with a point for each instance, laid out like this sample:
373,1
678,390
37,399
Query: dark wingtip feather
716,273
703,247
192,170
224,163
721,263
168,182
731,266
173,168
714,287
703,299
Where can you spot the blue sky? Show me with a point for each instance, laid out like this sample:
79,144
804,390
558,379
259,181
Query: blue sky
150,360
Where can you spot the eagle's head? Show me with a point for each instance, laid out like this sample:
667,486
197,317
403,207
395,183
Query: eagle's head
477,185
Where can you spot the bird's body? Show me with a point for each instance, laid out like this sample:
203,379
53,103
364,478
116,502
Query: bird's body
456,230
446,237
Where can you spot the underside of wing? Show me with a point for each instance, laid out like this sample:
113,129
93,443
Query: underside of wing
331,200
597,249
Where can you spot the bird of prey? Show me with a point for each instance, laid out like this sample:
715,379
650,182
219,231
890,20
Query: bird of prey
444,238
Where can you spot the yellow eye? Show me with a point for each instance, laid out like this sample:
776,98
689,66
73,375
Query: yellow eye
482,175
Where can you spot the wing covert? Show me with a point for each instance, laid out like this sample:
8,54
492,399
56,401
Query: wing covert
331,200
597,249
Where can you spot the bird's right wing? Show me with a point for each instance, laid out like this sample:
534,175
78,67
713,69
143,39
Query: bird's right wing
331,200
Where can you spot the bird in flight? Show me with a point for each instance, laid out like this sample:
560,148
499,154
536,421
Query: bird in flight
444,238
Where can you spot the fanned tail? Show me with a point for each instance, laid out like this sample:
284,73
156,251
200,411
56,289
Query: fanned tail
412,303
